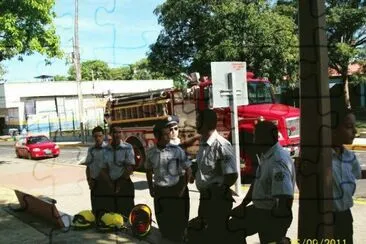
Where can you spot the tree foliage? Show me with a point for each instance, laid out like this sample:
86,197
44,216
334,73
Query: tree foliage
99,70
92,70
227,30
26,26
346,31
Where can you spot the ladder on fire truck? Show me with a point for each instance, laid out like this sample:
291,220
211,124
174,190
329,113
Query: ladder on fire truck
152,105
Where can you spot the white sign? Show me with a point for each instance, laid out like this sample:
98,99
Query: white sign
220,90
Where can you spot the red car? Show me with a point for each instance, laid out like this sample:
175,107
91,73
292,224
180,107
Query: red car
36,147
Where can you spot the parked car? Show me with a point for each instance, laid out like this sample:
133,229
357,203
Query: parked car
36,147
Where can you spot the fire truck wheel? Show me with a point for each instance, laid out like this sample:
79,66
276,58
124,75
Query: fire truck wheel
139,153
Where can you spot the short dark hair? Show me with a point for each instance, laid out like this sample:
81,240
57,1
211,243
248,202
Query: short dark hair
208,117
267,131
113,127
97,129
158,127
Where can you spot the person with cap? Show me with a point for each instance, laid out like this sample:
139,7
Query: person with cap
172,124
167,168
120,159
216,173
97,173
271,192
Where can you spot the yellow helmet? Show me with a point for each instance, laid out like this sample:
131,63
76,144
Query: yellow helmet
111,221
83,220
140,220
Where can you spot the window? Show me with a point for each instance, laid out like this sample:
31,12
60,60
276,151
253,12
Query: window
259,93
37,139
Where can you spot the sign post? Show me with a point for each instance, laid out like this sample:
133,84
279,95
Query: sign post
229,88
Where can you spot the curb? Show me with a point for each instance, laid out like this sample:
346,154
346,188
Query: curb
356,147
61,145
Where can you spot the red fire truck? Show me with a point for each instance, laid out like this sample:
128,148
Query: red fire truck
137,114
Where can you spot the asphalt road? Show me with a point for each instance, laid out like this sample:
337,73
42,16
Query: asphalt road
77,155
68,155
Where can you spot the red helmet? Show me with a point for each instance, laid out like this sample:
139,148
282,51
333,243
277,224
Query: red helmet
140,220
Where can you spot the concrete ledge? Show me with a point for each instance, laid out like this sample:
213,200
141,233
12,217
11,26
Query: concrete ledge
356,147
72,144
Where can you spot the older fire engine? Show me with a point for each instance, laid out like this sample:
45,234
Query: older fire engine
137,114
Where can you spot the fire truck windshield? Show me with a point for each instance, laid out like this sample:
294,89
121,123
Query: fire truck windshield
259,93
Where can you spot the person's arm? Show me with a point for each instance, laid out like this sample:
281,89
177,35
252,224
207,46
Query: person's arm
149,177
188,170
228,165
356,168
88,178
283,187
130,162
88,161
189,142
248,197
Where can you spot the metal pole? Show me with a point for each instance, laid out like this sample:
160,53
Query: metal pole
77,70
315,176
235,128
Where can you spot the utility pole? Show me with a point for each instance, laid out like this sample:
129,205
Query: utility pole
76,58
315,176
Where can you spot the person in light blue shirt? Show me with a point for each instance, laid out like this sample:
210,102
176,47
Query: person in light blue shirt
271,192
120,159
216,173
167,172
345,169
97,174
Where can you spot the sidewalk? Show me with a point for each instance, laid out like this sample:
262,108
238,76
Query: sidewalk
66,183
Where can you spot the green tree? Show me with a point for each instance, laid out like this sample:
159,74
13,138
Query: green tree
92,70
121,73
227,30
26,26
346,30
141,70
60,78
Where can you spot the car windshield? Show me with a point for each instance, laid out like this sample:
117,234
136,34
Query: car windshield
259,92
37,139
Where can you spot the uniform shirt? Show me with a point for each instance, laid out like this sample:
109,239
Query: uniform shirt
95,160
118,158
168,164
215,158
346,169
275,176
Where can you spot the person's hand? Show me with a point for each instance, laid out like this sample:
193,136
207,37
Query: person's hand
191,179
127,172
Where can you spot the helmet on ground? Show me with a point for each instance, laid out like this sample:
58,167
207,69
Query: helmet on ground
83,220
110,221
140,220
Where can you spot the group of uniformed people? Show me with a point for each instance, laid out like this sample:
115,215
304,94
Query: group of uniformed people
168,172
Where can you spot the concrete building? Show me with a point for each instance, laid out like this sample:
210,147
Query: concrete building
49,106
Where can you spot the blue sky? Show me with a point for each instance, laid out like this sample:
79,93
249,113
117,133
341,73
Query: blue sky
118,32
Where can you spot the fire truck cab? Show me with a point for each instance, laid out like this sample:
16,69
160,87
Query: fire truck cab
137,114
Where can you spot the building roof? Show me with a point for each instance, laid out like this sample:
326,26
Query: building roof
354,68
